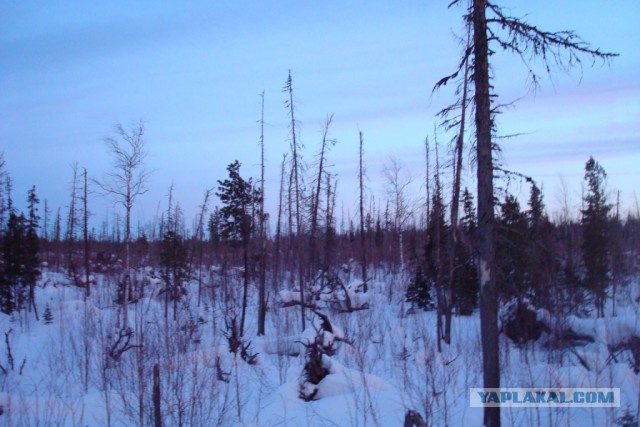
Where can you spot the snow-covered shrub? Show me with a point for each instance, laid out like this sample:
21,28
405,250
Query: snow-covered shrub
318,341
314,369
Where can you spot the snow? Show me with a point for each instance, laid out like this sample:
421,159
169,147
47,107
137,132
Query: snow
289,296
385,362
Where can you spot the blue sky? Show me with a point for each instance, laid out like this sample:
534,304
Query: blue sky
193,71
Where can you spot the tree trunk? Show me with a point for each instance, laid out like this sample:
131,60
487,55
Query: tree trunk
277,249
437,237
296,182
245,285
455,201
316,196
71,223
262,294
427,186
157,415
363,252
486,262
127,262
85,232
199,240
329,219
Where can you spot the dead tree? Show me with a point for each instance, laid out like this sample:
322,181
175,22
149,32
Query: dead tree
262,291
427,181
72,221
296,165
329,235
363,251
437,244
455,197
278,237
45,230
563,50
85,235
315,198
397,183
199,238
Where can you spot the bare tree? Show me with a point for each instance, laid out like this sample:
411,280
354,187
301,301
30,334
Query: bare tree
363,251
45,230
315,197
296,166
397,181
262,292
278,237
329,221
126,182
85,234
72,221
199,237
437,245
427,180
458,122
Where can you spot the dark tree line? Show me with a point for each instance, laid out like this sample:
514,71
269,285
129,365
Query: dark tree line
20,262
534,256
565,265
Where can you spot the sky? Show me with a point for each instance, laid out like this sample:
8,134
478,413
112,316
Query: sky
194,71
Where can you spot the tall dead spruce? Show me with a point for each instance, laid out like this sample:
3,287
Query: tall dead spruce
296,165
262,293
493,28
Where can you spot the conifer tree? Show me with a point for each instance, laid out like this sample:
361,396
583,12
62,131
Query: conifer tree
419,290
543,264
436,254
173,258
48,315
238,196
31,261
465,274
12,294
512,252
596,233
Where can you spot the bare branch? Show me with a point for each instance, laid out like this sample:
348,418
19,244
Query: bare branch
561,50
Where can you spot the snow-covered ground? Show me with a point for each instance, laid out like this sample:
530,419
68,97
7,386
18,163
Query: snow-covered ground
78,370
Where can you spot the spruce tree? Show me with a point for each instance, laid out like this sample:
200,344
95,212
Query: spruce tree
12,295
544,266
513,250
465,274
173,260
31,261
596,234
48,315
238,197
419,290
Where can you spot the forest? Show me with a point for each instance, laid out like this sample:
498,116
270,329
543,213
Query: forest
305,315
